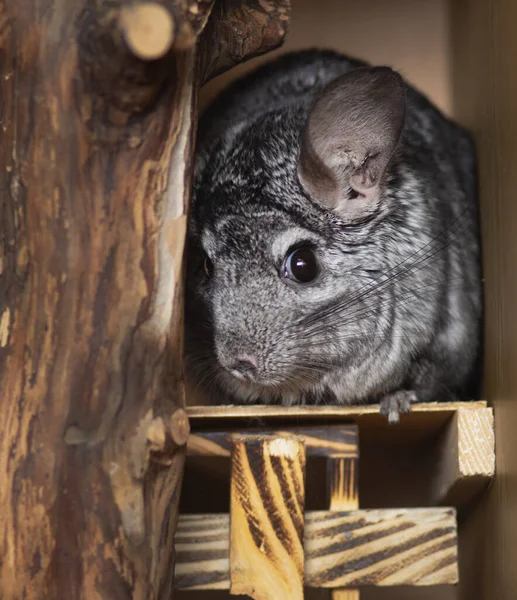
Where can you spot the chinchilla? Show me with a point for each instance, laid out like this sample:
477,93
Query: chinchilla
333,248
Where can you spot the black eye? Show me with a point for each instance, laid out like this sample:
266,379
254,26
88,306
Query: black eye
208,267
301,265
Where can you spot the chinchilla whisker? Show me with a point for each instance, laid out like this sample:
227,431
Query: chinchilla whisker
343,316
204,371
402,297
414,263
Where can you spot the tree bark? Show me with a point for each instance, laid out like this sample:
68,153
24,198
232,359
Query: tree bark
97,118
239,30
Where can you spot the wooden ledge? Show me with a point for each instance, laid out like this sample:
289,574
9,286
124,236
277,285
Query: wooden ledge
367,413
460,436
356,548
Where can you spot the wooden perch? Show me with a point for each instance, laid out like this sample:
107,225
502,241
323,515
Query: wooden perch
95,165
363,547
238,30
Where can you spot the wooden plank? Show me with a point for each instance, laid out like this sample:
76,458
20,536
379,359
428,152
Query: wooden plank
363,547
424,423
466,460
317,412
484,46
345,594
343,484
267,517
319,441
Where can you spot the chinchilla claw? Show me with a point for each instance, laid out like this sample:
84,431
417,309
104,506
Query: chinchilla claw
397,403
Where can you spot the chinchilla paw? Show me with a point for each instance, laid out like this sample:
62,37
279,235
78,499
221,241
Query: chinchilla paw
397,403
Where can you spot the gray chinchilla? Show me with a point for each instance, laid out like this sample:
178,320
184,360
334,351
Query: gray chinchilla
333,251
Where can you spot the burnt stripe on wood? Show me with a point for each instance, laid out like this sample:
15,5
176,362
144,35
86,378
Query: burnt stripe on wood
267,517
343,489
421,549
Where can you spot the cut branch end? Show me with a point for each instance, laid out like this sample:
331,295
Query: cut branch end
166,434
148,30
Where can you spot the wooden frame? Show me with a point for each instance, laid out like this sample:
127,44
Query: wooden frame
459,459
457,466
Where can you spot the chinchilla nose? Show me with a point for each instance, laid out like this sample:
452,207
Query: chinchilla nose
244,365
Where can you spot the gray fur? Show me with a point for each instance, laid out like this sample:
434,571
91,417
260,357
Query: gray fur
394,315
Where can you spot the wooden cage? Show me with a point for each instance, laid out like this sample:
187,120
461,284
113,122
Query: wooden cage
98,108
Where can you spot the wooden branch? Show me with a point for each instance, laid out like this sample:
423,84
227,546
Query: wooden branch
466,457
364,547
95,163
239,30
148,29
151,29
267,517
319,441
94,186
167,434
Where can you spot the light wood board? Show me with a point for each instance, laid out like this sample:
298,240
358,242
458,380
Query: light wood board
363,547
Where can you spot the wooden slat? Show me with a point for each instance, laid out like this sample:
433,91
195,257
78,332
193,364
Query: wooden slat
423,423
363,547
343,483
318,412
267,517
466,461
319,441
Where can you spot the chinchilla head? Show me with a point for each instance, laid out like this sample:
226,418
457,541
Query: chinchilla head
284,236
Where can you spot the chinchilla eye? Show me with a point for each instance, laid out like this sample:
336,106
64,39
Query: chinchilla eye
301,265
208,267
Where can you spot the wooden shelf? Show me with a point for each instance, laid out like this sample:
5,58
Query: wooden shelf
424,420
452,445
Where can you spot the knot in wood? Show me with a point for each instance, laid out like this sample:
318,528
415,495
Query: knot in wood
168,433
179,427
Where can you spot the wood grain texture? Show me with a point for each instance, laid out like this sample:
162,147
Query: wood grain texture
148,29
95,165
238,30
91,254
319,441
343,487
228,413
364,547
345,594
466,461
485,85
343,483
423,424
267,517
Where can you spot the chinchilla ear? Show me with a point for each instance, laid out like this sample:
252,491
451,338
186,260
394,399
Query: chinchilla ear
350,136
